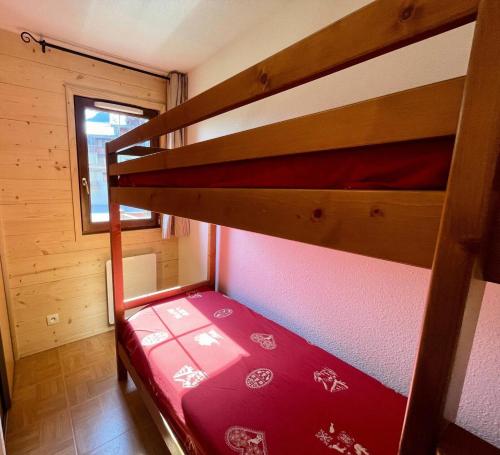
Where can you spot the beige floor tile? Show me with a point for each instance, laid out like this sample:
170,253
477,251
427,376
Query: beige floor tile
67,401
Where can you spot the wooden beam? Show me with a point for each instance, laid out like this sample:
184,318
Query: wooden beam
423,112
394,225
391,23
457,287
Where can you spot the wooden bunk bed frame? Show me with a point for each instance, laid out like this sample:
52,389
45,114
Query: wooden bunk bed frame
455,232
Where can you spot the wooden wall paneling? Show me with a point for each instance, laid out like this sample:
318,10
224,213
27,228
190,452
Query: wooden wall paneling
33,218
33,150
37,336
57,242
43,269
31,301
169,274
78,302
35,164
47,268
32,105
8,352
457,280
23,135
72,284
38,75
5,284
50,267
32,191
130,81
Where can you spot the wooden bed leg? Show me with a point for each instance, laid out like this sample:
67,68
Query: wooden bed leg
115,235
457,284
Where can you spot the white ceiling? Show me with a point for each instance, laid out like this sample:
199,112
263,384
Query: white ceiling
161,34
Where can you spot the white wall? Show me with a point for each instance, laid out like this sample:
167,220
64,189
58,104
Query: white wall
366,311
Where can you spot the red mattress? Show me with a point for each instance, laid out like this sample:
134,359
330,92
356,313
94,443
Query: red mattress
417,165
236,382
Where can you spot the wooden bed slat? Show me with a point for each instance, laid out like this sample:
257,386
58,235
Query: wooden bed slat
423,112
391,23
394,225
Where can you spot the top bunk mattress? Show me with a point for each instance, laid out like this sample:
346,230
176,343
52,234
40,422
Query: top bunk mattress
415,165
233,381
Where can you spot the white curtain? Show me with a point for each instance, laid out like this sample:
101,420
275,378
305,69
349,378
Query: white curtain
174,226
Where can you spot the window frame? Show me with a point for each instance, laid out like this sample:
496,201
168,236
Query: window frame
89,227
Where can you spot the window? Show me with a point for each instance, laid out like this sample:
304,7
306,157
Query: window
97,122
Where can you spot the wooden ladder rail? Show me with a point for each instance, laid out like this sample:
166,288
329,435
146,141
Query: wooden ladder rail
457,285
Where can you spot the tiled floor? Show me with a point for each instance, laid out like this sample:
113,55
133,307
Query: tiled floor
67,401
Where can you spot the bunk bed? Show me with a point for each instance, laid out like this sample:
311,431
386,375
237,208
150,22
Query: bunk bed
409,177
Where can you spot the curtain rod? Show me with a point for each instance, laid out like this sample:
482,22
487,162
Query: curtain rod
27,37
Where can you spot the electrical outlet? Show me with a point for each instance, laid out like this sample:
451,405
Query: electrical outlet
52,319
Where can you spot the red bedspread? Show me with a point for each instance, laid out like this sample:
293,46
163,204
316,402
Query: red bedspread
236,382
417,165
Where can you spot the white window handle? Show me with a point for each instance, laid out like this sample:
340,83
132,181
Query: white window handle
86,185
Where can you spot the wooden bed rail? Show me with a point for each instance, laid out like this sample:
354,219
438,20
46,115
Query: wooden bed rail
392,24
399,226
146,299
424,112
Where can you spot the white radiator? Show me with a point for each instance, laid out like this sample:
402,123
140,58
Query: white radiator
139,277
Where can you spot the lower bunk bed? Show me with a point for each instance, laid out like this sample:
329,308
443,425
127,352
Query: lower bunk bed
227,380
